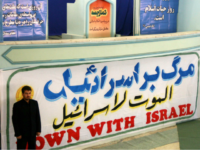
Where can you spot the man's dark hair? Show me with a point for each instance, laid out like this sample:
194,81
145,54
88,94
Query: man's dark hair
26,88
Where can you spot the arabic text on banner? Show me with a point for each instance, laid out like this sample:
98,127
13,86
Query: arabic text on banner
91,102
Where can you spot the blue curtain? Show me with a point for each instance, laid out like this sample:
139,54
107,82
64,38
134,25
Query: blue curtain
124,22
57,17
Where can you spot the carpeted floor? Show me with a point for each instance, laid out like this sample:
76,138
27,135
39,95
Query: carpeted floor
183,136
189,134
152,140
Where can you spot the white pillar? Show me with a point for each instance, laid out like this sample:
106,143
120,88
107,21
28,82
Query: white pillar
136,17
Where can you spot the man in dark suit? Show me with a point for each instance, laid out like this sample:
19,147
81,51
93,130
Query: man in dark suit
26,120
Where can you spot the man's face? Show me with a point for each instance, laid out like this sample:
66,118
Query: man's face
26,95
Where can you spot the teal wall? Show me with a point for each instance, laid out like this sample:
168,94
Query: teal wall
30,53
20,54
189,15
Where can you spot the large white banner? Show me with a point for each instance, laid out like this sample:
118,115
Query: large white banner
83,103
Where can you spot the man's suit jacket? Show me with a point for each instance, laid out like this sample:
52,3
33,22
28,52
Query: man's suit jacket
19,122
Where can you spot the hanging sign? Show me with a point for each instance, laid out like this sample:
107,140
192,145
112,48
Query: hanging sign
158,16
100,19
24,19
